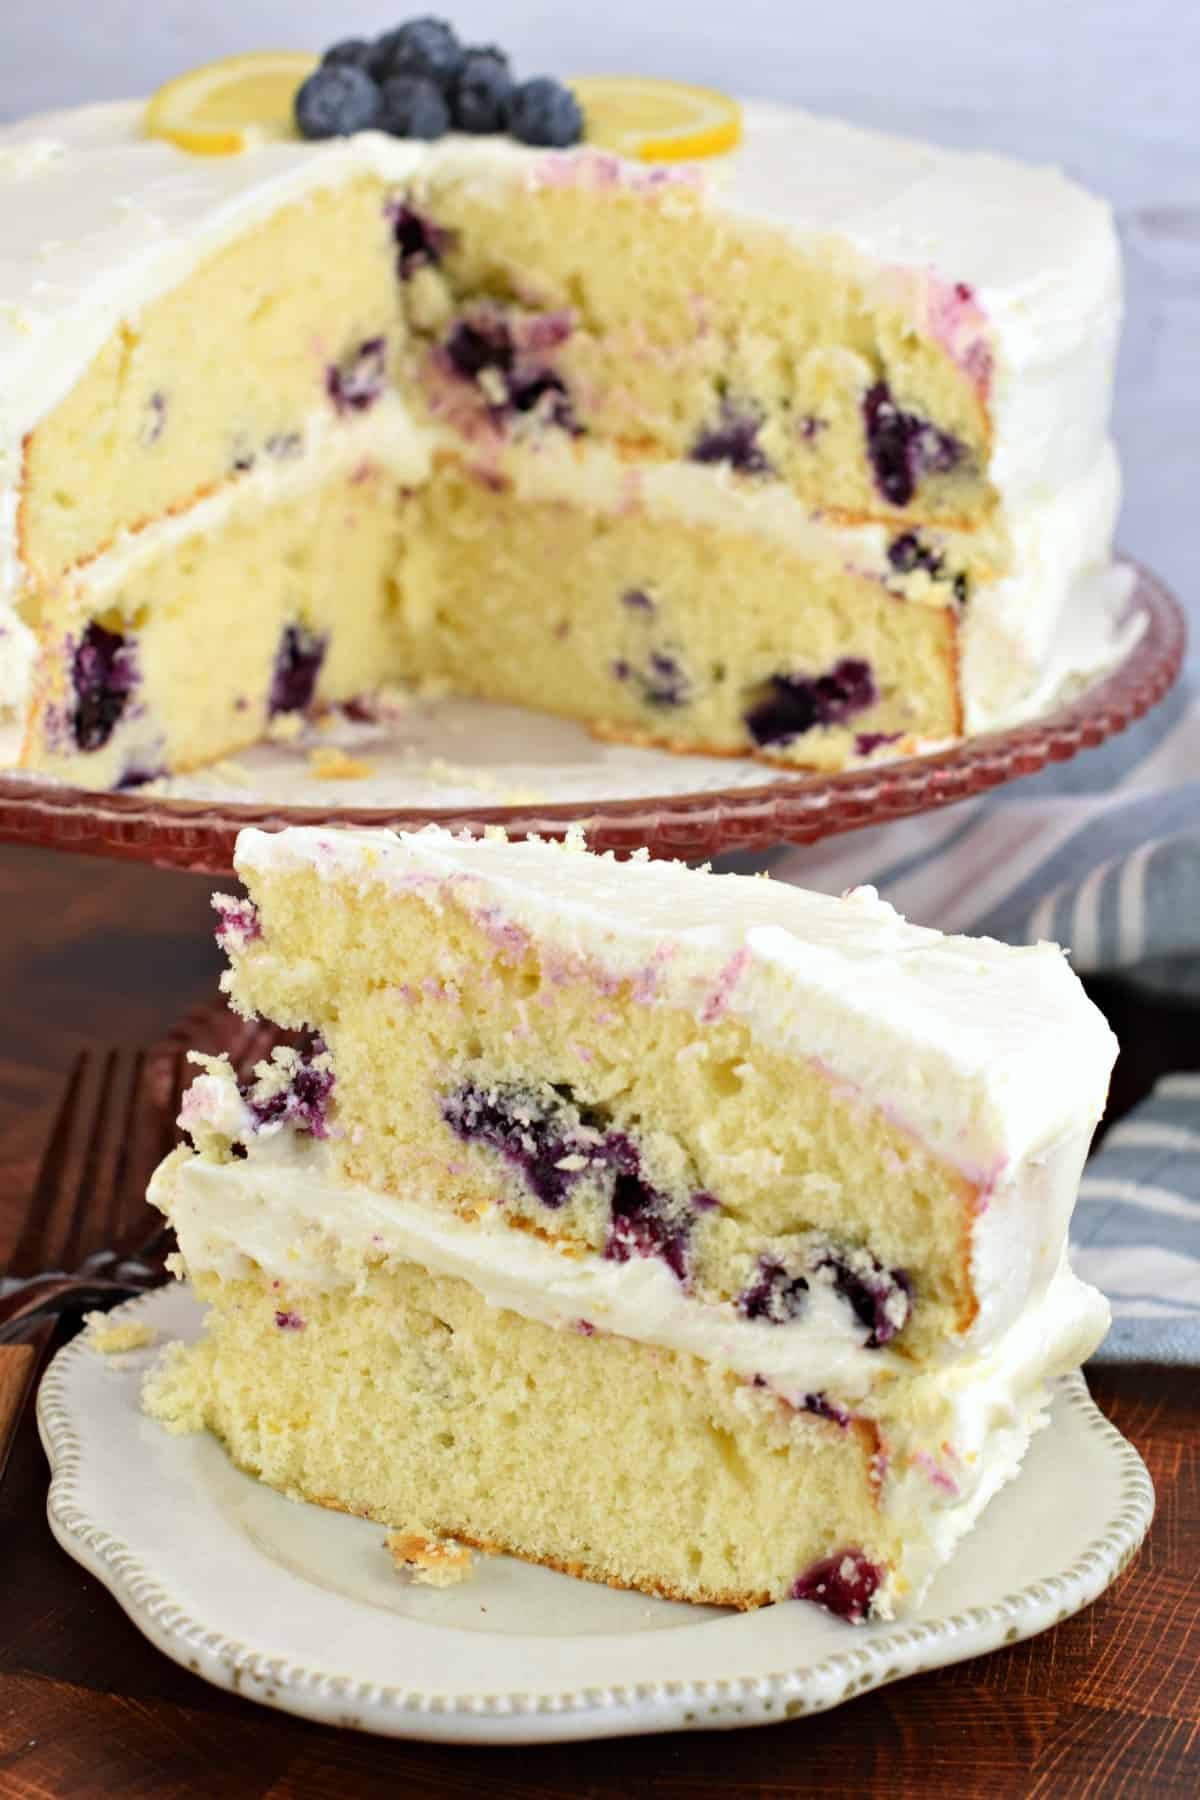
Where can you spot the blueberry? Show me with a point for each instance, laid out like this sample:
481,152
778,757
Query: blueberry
420,242
787,706
336,100
483,90
414,107
543,111
304,1102
879,1298
297,664
356,383
778,1295
478,344
357,52
844,1584
425,48
902,446
104,674
526,393
733,440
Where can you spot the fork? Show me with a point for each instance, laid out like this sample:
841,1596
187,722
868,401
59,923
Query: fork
95,1161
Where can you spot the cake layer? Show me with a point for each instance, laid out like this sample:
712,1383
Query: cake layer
220,372
604,1050
681,634
406,1396
188,643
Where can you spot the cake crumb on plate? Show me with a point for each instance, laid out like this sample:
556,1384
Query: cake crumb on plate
328,763
431,1560
115,1340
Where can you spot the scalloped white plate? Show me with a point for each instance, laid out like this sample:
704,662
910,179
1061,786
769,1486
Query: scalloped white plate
302,1609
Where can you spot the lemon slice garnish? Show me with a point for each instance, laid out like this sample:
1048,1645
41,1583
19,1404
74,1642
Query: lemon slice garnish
226,106
657,121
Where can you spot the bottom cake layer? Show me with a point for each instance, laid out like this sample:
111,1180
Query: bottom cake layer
414,1401
410,1399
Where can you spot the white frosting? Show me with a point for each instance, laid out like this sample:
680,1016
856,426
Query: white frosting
991,1056
99,221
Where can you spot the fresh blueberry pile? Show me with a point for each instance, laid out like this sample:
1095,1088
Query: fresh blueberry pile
420,82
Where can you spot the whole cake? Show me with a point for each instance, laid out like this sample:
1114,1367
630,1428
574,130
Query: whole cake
798,450
692,1233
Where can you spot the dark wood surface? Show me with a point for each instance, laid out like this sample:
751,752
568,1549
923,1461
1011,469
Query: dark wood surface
1106,1704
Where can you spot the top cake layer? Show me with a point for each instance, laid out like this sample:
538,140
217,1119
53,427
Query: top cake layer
1019,267
990,1054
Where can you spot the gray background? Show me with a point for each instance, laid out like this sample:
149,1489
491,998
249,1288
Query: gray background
1106,88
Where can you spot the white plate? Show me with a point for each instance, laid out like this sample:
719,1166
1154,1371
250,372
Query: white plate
303,1610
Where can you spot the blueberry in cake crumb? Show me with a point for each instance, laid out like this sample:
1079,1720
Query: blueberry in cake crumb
822,1407
733,440
297,666
661,679
902,447
413,107
337,99
786,706
777,1294
483,90
294,1088
555,1144
479,343
545,112
546,394
637,600
420,242
154,422
356,383
880,1298
844,1584
104,674
427,49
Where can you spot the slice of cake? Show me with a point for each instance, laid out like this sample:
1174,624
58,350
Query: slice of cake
596,1195
797,451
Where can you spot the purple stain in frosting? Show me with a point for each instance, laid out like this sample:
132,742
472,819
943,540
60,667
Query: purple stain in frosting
356,383
297,665
786,706
844,1584
902,446
104,674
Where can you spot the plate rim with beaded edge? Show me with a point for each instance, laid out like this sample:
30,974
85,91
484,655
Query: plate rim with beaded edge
207,1563
739,812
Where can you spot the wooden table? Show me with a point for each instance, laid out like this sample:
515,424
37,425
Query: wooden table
1106,1704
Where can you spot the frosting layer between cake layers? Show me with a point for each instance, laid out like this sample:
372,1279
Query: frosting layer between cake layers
1011,273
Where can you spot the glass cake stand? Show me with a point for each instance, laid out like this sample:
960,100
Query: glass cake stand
530,774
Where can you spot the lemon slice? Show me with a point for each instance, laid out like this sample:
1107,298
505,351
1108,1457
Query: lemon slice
226,106
657,121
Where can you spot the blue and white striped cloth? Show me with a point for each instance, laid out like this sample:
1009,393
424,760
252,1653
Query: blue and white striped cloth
1102,855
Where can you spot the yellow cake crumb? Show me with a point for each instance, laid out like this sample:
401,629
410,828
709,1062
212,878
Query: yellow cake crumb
433,1561
328,763
116,1340
285,727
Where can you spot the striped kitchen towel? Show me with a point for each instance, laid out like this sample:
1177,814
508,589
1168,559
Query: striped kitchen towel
1101,854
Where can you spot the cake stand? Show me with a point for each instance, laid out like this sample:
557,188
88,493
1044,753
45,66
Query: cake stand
690,807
